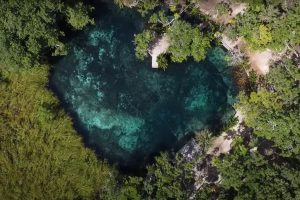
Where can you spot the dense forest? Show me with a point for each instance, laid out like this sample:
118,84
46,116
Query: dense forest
43,157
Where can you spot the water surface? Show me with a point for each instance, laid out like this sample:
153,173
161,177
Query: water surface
127,111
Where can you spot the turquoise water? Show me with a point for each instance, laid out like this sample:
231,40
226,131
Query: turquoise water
127,111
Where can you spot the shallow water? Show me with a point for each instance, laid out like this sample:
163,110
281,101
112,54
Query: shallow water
127,111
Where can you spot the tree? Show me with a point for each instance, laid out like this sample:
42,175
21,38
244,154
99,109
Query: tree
41,155
162,62
146,6
143,6
170,177
163,181
78,16
187,41
29,30
142,41
249,175
263,26
265,165
199,46
265,36
128,3
273,110
180,34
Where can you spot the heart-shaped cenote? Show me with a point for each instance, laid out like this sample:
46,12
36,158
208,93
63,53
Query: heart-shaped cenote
127,111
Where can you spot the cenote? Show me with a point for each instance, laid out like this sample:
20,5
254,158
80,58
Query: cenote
128,112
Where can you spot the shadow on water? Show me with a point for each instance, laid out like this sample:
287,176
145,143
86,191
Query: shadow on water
124,110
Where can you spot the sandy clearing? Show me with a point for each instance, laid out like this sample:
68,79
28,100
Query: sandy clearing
222,144
260,61
208,7
237,8
160,47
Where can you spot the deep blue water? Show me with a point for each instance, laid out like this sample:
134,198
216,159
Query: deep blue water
127,111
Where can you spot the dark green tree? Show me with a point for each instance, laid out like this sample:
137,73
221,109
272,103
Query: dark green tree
273,111
29,30
249,175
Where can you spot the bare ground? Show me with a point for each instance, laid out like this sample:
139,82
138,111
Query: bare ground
160,47
222,144
208,7
260,61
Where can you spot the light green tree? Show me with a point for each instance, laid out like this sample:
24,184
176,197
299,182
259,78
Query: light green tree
142,41
199,46
41,155
187,41
181,34
78,16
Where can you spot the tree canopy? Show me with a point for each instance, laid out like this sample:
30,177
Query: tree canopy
187,41
41,155
270,24
30,31
142,41
266,164
249,175
273,111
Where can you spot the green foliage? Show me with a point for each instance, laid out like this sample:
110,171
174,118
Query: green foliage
41,155
186,41
162,62
158,18
130,189
273,111
223,8
263,26
265,36
166,179
142,41
146,6
170,177
29,30
261,3
251,176
229,124
128,3
199,46
78,16
204,138
254,170
181,35
166,184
